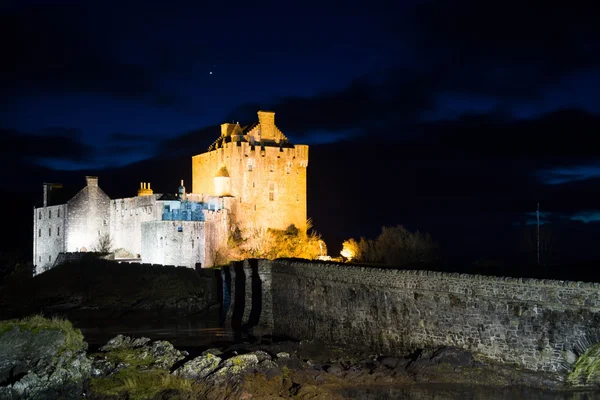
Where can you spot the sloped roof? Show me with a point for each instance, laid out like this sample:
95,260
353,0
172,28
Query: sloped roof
222,173
168,197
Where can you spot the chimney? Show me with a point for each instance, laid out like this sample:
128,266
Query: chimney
91,180
267,125
181,191
144,189
47,189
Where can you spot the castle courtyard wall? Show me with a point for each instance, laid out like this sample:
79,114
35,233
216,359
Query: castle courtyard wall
126,218
540,325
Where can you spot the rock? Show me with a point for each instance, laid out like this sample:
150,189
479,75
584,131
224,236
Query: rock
122,351
165,355
243,361
124,342
282,355
199,367
214,352
42,359
231,370
334,369
269,368
262,355
292,363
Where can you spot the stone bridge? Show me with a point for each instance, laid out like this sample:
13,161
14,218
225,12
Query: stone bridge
541,325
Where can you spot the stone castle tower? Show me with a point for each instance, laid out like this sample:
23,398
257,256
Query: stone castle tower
260,169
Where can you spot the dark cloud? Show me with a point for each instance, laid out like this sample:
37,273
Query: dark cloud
57,143
389,99
510,42
51,48
129,137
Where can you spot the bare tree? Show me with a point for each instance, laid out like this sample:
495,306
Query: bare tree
104,244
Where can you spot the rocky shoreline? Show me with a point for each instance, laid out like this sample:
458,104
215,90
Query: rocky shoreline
49,364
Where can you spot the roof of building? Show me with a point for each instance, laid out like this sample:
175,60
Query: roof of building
222,173
168,197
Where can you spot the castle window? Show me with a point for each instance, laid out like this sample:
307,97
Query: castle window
40,258
40,215
180,229
105,223
49,258
250,164
288,167
58,213
271,196
49,213
49,231
39,233
271,191
58,233
272,168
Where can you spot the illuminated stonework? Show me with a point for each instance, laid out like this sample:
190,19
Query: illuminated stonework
257,165
251,176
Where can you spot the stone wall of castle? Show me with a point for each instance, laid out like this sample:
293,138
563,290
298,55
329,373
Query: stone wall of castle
268,183
126,218
88,217
48,235
184,243
536,324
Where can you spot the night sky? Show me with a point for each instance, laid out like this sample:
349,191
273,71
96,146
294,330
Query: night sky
452,117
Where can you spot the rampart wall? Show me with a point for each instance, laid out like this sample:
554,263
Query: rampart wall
126,218
540,325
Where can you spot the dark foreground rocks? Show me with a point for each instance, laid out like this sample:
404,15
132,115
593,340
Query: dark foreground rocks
42,359
46,359
307,370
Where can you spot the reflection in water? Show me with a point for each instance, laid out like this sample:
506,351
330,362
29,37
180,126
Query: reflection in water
201,331
463,392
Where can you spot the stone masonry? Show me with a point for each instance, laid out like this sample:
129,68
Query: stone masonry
541,325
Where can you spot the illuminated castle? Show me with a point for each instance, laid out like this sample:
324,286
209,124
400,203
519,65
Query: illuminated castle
251,176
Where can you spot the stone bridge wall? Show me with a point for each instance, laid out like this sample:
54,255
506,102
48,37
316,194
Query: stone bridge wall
537,324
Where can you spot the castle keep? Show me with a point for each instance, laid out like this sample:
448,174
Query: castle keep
251,176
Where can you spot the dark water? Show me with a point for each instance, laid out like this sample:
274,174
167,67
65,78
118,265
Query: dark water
197,333
185,333
463,392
